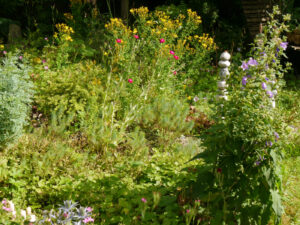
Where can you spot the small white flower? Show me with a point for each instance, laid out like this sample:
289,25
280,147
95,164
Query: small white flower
196,99
23,214
11,206
28,210
32,218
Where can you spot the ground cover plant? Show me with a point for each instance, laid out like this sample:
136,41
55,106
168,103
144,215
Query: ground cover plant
129,131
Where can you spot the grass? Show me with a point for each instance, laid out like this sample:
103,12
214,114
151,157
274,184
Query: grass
291,191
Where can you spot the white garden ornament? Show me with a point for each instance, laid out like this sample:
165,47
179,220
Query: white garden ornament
224,75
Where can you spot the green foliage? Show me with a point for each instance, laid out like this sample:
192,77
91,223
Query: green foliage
16,95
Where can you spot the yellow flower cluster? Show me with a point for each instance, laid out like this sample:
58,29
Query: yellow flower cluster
207,42
68,16
194,17
116,25
142,12
1,47
65,30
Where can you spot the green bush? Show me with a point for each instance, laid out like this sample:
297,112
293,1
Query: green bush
16,92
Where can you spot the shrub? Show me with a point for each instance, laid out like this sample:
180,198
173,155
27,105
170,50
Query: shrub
16,92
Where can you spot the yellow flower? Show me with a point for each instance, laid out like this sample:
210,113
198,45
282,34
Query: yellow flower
68,16
134,31
1,47
189,98
105,53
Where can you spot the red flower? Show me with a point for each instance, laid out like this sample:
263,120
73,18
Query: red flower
176,57
130,81
118,40
219,170
162,40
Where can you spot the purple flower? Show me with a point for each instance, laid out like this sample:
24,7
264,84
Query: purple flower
257,162
267,66
276,136
89,209
252,62
44,61
267,79
263,54
283,45
277,49
244,81
273,60
269,143
263,85
144,200
88,219
270,94
244,66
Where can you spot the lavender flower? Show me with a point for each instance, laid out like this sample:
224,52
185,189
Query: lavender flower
267,79
276,136
244,81
263,85
284,45
244,66
252,62
270,94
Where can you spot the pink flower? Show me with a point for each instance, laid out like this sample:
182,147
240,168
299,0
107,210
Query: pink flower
188,211
20,57
174,72
176,57
130,81
46,67
6,209
162,40
4,202
65,215
89,209
172,52
44,61
144,200
88,219
136,36
118,40
46,39
4,52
